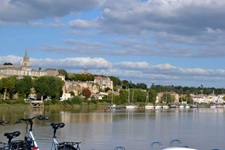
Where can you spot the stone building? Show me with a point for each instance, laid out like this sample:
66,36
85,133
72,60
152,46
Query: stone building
103,82
25,69
78,86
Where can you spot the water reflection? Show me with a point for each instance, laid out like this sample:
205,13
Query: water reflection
97,129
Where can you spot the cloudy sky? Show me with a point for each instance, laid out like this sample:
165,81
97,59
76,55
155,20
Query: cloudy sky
166,42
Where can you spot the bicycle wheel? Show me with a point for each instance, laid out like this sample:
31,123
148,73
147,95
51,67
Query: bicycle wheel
67,147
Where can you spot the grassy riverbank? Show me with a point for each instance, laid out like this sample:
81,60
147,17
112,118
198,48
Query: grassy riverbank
11,104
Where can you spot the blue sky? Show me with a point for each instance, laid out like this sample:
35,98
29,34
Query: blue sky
166,42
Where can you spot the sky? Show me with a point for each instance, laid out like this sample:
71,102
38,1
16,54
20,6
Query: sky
161,42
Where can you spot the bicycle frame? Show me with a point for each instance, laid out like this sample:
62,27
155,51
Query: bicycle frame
54,144
30,138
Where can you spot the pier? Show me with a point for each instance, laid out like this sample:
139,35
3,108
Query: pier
37,104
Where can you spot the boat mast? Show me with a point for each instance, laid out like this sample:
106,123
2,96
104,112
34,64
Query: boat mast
128,96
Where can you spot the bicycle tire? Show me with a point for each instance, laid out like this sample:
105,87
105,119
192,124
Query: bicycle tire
67,147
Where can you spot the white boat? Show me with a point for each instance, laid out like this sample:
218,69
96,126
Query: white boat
130,106
213,106
158,107
149,106
181,106
112,106
187,106
165,107
193,106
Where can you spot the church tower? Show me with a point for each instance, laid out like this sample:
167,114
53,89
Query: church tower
26,60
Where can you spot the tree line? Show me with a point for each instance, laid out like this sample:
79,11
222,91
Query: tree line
49,86
125,84
45,86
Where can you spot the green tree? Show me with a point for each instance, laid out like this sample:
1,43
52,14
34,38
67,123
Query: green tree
9,84
24,85
142,86
49,86
116,80
167,98
125,84
63,72
7,63
122,98
137,95
152,95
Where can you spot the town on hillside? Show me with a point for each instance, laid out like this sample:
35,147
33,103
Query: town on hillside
97,86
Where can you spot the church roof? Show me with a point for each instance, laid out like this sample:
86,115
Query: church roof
26,55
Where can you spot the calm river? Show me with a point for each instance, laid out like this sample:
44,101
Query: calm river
202,128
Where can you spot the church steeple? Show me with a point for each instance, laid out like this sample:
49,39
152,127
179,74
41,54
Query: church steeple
26,60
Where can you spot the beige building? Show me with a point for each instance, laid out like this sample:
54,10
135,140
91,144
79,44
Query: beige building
103,82
25,69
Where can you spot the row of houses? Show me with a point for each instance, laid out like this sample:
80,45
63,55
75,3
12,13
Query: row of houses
199,98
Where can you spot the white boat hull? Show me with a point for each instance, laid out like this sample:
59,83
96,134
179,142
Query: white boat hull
131,107
165,107
149,107
158,107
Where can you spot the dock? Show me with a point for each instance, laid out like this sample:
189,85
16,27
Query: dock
37,104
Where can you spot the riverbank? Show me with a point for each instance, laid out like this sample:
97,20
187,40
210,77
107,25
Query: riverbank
55,106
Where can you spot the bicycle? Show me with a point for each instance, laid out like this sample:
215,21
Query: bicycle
29,142
171,147
62,145
11,145
2,144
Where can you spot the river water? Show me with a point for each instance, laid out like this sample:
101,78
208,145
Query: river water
201,128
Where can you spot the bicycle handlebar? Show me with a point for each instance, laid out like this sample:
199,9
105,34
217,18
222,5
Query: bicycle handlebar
43,117
30,120
3,122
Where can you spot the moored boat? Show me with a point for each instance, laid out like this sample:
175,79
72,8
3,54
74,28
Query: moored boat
112,106
181,106
158,107
187,106
165,107
193,106
212,106
149,106
219,106
131,106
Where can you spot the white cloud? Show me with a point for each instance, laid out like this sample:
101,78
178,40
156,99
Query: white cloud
83,24
69,63
15,60
133,65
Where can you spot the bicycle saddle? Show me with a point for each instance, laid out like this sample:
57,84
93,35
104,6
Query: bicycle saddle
3,122
11,135
57,125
